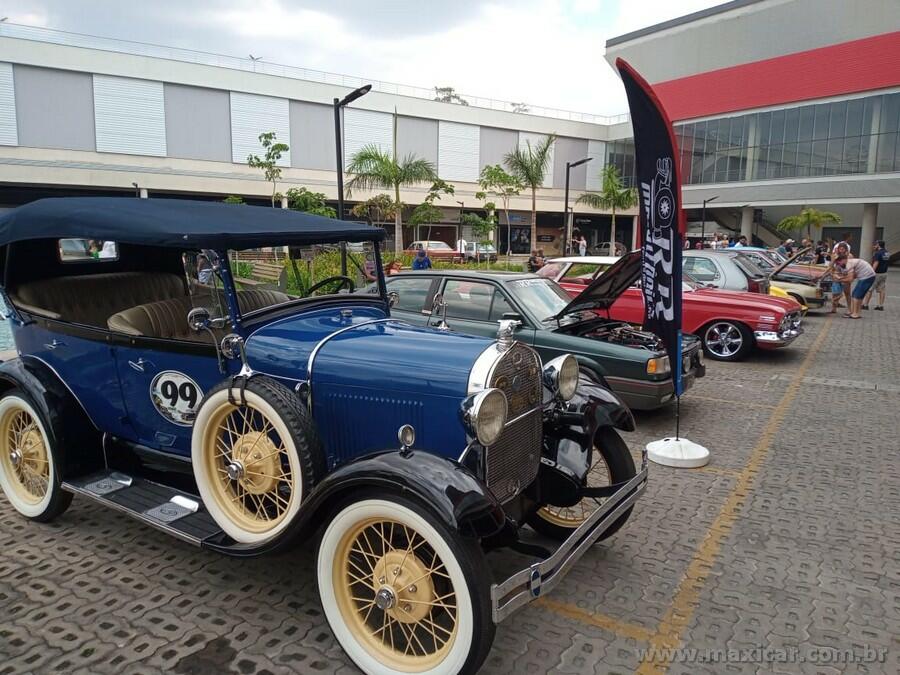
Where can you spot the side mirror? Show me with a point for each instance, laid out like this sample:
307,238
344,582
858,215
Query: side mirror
393,298
198,319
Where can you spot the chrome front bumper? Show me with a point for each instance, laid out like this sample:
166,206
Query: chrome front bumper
777,339
540,578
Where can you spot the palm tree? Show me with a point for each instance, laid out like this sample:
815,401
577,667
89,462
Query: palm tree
808,217
613,196
530,165
374,169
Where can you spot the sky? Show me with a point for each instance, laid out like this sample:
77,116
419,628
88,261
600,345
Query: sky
540,52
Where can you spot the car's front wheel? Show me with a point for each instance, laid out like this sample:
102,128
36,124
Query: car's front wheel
612,463
726,340
402,592
29,473
255,456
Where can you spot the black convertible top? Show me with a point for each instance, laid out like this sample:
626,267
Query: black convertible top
175,222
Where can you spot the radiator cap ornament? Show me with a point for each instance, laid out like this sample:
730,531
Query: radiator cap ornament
506,334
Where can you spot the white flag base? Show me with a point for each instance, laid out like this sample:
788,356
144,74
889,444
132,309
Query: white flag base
678,452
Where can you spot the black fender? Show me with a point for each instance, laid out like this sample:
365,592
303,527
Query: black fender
459,499
73,437
569,432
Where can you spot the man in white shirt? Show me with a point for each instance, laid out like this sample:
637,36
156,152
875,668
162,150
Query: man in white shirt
864,273
461,245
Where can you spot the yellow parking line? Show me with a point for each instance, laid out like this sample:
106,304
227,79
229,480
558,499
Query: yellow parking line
607,623
669,634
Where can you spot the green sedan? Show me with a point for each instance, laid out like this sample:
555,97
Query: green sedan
633,362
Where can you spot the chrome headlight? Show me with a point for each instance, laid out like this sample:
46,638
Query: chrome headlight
485,414
561,376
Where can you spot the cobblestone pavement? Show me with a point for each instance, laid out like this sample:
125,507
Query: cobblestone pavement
787,542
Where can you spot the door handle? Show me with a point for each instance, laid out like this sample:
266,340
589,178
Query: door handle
54,344
140,365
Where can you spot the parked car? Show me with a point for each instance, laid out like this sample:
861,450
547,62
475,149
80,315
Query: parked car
480,252
807,284
436,250
633,362
245,421
576,269
727,268
778,292
729,323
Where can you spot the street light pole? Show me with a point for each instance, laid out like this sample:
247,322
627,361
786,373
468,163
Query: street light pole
703,218
566,233
339,156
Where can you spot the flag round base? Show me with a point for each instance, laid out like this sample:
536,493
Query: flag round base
678,452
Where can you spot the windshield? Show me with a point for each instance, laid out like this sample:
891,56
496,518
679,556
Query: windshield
762,260
551,270
541,297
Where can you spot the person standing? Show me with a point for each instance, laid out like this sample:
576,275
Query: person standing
880,262
582,246
864,274
839,286
741,242
421,261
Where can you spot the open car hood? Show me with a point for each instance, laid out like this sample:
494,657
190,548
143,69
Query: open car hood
790,260
606,288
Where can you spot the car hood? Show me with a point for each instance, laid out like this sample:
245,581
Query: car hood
790,260
608,286
748,301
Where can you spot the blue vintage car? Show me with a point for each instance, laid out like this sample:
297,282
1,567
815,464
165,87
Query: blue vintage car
241,418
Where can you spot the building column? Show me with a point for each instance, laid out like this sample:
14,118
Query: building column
867,236
284,202
752,149
143,193
871,160
635,232
747,223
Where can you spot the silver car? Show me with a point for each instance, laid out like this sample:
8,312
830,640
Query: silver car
728,269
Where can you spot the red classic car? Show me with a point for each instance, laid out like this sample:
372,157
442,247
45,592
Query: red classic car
729,323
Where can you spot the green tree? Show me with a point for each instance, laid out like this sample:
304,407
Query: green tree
269,162
496,182
301,199
374,169
233,199
530,164
808,218
375,210
613,196
481,227
427,213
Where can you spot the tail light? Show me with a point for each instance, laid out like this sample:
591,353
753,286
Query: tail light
754,285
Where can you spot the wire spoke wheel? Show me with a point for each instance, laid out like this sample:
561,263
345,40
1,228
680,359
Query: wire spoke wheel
24,458
396,595
253,479
599,475
724,339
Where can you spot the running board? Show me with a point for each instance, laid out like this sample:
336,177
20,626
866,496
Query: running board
174,512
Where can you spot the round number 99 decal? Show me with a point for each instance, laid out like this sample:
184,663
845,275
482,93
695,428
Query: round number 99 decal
176,397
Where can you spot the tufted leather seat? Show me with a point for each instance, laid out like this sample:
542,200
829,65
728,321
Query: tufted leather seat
92,299
168,318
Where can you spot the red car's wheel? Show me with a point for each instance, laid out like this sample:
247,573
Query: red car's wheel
726,340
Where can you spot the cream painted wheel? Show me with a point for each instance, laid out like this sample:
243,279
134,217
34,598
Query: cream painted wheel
612,464
395,592
247,466
27,471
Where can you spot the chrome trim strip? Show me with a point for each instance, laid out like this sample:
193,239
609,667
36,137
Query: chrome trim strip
321,343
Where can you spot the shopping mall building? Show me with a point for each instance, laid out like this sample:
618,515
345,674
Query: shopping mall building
763,128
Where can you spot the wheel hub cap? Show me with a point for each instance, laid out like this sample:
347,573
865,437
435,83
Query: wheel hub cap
235,471
408,581
385,598
257,457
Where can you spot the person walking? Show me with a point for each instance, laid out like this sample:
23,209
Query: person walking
880,262
864,274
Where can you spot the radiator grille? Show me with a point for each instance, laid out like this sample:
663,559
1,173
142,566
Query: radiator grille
513,461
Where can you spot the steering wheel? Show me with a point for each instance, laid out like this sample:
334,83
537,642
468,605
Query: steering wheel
345,281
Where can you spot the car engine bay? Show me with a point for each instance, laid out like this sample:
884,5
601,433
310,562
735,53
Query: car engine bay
617,332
